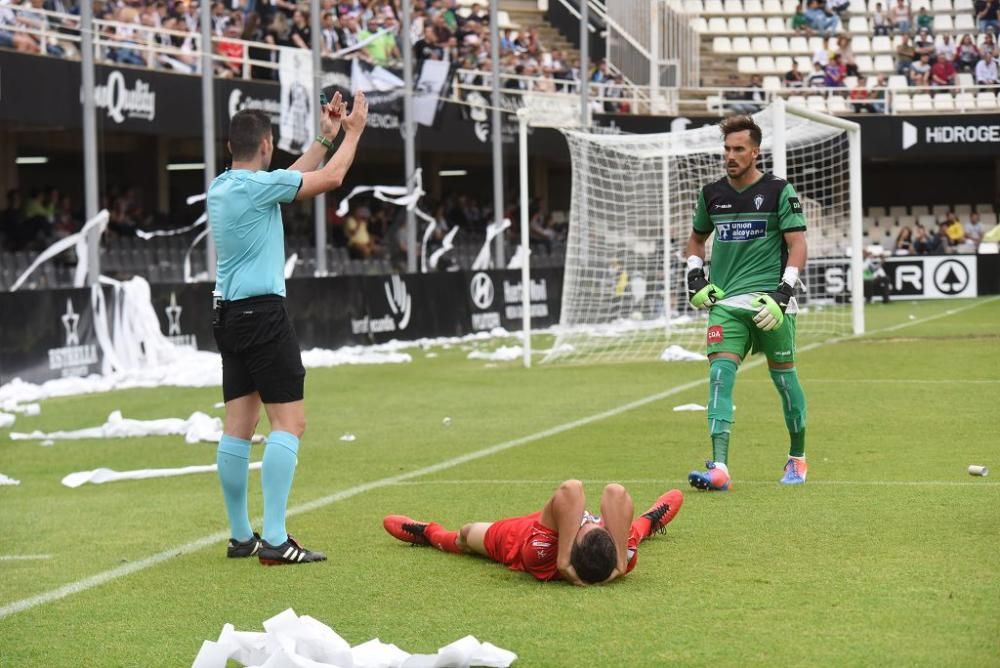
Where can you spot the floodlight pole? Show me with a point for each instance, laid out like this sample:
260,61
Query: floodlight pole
496,132
319,203
522,135
89,139
207,122
409,141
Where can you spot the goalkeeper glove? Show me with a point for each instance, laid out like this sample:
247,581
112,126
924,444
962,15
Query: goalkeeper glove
701,293
772,305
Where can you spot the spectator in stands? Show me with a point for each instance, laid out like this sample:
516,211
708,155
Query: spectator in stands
904,241
822,53
943,73
736,99
837,7
819,19
330,34
989,44
924,21
860,97
793,77
880,20
986,15
360,243
300,34
818,77
427,47
945,49
904,55
382,49
923,44
12,230
835,72
920,71
800,22
986,70
974,230
921,241
937,240
953,229
967,55
900,16
9,38
847,58
232,66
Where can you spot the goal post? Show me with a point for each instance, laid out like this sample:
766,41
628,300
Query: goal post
624,287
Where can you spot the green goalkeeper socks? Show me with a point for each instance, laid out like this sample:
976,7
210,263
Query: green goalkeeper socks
793,402
721,379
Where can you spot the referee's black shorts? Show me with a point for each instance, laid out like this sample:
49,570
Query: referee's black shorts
260,352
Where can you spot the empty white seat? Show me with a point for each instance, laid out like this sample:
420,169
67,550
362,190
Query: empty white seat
717,24
897,211
837,105
965,80
788,7
805,64
816,103
857,7
699,24
866,64
721,45
919,210
861,45
906,221
760,44
943,23
796,101
881,44
738,25
923,102
756,26
986,100
963,209
694,6
943,101
815,43
941,6
901,102
965,23
927,220
765,65
780,45
772,82
867,223
746,65
799,45
886,221
964,6
988,218
940,209
851,82
753,7
876,211
858,24
884,64
965,101
741,45
714,7
916,5
772,7
782,64
984,208
732,7
898,81
776,25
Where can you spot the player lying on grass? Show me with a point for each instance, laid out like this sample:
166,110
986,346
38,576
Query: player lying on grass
562,541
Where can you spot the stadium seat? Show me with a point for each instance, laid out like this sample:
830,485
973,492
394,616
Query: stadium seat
858,24
772,7
713,103
741,45
722,45
755,25
694,6
738,26
699,25
776,26
850,82
714,7
876,211
717,25
927,220
504,22
814,44
885,221
857,7
919,210
772,83
816,103
943,23
989,247
940,209
782,64
730,7
901,102
837,105
964,23
753,7
796,101
760,45
765,65
779,45
941,6
906,221
963,209
898,82
965,80
881,44
746,65
799,45
943,101
861,45
866,64
884,64
988,219
916,5
965,101
964,6
984,208
986,100
805,63
788,7
897,211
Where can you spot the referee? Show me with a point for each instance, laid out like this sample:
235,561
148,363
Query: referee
261,362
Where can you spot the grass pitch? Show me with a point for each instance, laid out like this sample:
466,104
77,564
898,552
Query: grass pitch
888,555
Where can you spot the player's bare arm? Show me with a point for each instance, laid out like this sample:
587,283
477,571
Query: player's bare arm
563,513
797,250
331,176
617,510
329,127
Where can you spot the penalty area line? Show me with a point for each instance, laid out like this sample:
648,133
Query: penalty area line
656,481
219,537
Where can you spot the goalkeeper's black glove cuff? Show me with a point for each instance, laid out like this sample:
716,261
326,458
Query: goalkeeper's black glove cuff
783,295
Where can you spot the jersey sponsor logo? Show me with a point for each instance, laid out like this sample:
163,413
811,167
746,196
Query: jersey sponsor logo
742,230
795,204
757,201
724,206
715,334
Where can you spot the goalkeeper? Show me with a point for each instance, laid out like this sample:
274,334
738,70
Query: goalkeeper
758,254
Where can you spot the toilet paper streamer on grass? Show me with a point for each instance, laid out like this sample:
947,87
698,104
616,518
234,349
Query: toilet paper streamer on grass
290,641
103,475
198,427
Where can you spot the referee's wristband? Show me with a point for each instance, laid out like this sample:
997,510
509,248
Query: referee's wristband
325,142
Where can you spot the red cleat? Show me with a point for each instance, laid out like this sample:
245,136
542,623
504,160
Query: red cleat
663,511
406,529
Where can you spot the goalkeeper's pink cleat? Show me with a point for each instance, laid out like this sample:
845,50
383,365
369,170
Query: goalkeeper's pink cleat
715,479
795,471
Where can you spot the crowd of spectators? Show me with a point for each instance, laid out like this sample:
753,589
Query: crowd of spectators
949,236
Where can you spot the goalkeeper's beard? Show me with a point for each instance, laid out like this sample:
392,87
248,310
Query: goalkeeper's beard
736,176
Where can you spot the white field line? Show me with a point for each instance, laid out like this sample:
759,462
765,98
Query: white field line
24,557
221,536
738,482
906,381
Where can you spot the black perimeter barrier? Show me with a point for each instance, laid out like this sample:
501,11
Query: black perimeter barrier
50,333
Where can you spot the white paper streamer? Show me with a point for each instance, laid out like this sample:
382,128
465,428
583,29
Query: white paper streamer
79,240
199,427
501,354
290,641
202,219
290,265
447,244
675,353
7,420
188,278
5,481
688,407
483,259
101,476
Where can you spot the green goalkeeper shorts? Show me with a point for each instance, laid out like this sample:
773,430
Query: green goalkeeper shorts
732,330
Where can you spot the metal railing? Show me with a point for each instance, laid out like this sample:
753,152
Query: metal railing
628,98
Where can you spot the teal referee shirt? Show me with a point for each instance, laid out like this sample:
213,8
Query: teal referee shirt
245,214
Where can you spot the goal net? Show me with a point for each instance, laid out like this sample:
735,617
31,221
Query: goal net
633,196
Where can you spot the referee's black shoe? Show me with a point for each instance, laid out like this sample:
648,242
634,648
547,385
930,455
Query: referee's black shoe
289,552
238,549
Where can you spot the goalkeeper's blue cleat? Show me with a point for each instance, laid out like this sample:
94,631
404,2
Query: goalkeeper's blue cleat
715,479
795,471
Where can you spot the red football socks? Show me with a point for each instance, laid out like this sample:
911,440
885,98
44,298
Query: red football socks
639,530
442,539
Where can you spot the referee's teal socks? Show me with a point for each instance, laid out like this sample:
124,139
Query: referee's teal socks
233,460
280,457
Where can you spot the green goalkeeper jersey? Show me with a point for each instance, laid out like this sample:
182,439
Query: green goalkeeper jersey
749,252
